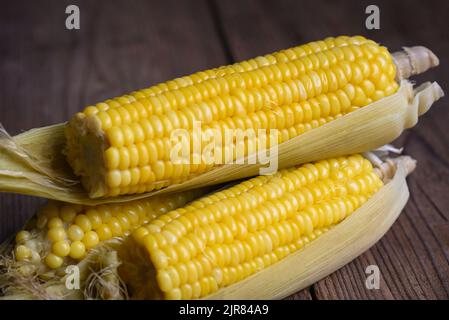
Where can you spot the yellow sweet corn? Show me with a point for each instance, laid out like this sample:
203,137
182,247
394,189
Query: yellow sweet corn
122,146
63,233
229,235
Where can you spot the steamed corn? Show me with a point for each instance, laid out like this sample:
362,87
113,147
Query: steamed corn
225,237
122,145
226,245
122,149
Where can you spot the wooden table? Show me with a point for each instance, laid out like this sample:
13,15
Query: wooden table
48,72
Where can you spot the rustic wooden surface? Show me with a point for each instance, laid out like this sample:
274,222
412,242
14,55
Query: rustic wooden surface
47,73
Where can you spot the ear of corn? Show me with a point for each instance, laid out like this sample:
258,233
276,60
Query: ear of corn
122,146
62,233
42,170
228,236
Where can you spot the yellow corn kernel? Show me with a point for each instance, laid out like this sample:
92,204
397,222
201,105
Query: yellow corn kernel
77,250
22,236
57,234
53,261
22,253
55,222
61,248
90,239
75,233
68,213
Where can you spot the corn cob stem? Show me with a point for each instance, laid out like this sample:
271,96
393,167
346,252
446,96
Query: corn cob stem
413,61
387,169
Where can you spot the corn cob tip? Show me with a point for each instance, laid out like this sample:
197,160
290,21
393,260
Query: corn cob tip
414,60
407,162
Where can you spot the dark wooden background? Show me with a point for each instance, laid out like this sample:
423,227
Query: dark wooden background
47,73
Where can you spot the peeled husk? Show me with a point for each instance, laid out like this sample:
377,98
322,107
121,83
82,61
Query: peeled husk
32,163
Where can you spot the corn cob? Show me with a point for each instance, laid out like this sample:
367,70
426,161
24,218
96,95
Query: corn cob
228,236
63,233
121,146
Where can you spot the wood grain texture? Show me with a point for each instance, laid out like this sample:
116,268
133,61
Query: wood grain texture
48,73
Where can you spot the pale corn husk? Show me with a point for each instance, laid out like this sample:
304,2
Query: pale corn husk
32,162
331,250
